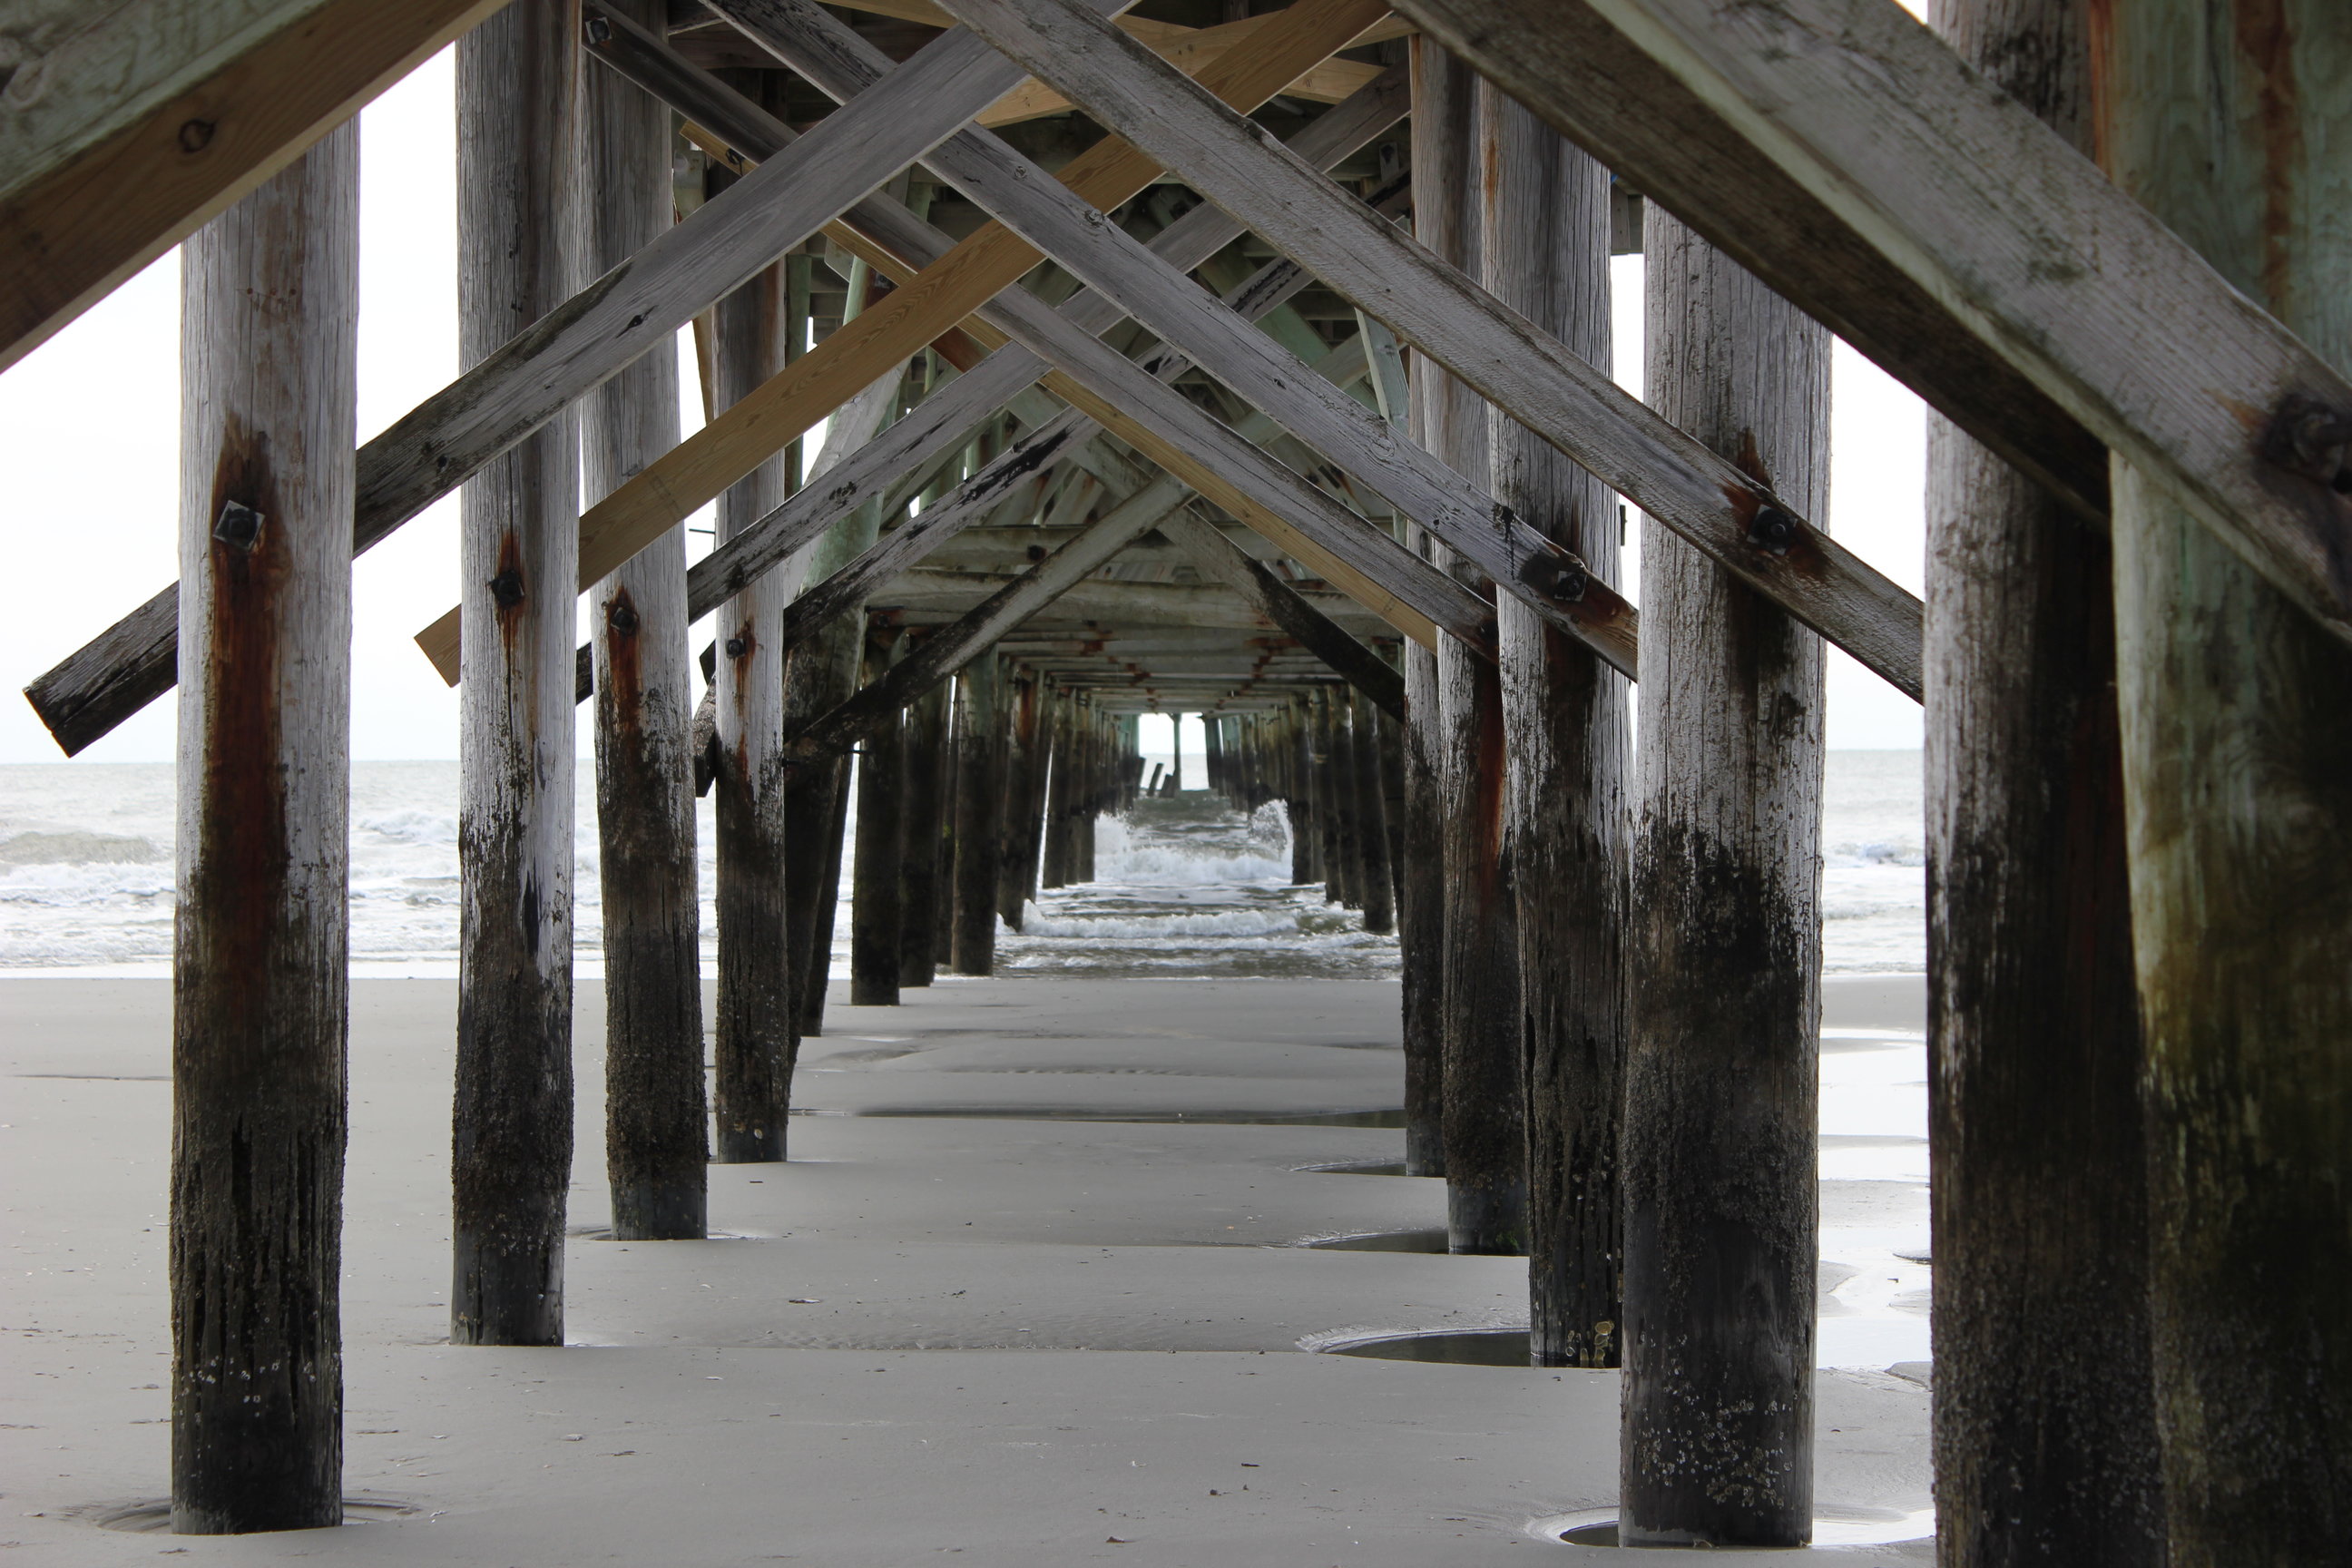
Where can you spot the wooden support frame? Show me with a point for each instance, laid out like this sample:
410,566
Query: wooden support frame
1527,373
1169,428
447,438
941,420
1939,226
946,651
1222,560
1521,560
153,124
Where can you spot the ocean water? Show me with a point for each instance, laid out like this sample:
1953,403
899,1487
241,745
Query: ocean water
1183,886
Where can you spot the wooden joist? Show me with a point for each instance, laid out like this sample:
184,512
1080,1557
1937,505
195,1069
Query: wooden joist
442,442
1525,372
1847,156
124,134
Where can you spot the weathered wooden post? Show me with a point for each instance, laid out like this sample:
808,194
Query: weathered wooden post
816,953
1718,1151
978,774
1059,796
1333,804
1371,816
877,935
518,190
753,331
2046,1448
2229,119
657,1111
1016,867
260,995
1545,249
924,748
1306,833
1485,1101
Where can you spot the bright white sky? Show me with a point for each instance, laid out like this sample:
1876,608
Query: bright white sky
90,422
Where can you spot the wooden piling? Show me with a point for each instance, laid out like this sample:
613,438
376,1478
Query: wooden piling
1059,799
1545,249
2045,1440
815,949
260,996
756,1036
877,878
1720,1158
925,743
1306,833
1373,886
979,772
2229,121
1016,866
656,1111
518,189
1479,1027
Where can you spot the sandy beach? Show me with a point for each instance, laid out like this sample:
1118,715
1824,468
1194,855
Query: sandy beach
1029,1292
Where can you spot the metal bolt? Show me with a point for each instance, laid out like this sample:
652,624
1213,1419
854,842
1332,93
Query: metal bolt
737,648
621,618
238,527
506,589
2311,440
1036,552
1772,531
599,30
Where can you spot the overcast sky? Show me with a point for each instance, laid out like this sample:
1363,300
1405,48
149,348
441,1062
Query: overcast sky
89,423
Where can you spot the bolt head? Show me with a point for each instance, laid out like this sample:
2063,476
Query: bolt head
238,527
737,648
1772,529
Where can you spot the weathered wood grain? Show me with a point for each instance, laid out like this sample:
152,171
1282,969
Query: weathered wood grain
2045,1442
518,196
2228,121
1527,373
2023,246
1544,251
657,1109
755,1037
260,995
1720,1155
126,128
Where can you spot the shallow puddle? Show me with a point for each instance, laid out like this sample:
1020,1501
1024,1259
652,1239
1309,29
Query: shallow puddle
1462,1347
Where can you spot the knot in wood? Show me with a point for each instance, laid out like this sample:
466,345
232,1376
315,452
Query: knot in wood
195,135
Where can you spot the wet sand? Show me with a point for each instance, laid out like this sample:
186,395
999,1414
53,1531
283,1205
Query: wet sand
1063,1329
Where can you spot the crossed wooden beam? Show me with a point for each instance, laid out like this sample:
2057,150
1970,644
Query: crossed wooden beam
1834,146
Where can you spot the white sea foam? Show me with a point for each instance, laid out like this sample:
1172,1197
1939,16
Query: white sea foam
1183,887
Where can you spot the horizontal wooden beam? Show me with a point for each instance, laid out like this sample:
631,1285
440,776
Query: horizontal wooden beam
120,139
1908,176
1222,560
439,445
943,652
1522,370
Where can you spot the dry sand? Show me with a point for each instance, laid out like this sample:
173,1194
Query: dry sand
1016,1340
